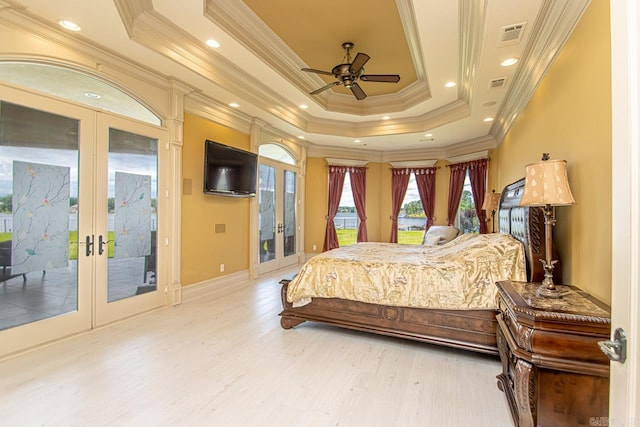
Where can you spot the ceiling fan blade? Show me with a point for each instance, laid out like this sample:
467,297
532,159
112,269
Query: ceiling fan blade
358,92
323,88
383,78
312,70
358,62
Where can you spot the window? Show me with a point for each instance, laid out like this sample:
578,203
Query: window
346,220
467,218
412,219
276,152
95,93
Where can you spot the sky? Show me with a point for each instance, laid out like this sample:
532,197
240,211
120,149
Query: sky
130,163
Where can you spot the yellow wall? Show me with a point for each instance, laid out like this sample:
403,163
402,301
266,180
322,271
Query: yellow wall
315,208
203,250
569,117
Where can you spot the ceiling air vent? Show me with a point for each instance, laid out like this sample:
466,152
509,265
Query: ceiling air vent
497,82
511,34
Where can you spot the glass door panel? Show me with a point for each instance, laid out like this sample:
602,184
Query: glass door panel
38,214
267,212
127,219
277,216
132,196
289,200
42,235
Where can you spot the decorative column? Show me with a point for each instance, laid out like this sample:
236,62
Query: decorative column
173,242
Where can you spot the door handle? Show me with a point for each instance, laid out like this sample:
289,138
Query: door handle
616,349
100,243
88,242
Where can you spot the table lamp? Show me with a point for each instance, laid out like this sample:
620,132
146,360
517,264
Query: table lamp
546,185
491,205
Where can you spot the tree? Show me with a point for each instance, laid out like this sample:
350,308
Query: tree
413,208
346,209
469,222
5,203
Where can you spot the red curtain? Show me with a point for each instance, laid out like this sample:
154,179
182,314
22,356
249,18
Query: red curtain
336,182
478,178
399,184
426,182
358,187
456,183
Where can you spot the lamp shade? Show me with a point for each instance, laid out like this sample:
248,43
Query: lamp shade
546,183
491,201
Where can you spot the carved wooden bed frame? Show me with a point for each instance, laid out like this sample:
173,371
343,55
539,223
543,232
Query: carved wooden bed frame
467,329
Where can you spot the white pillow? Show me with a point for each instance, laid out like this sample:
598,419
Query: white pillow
431,240
444,233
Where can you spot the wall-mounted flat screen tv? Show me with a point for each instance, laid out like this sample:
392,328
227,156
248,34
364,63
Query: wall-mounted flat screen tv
229,171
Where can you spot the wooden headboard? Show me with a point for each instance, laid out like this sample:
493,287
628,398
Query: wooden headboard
527,225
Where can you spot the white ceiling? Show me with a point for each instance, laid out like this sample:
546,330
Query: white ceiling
256,67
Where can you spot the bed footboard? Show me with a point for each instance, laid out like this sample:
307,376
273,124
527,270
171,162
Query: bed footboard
467,329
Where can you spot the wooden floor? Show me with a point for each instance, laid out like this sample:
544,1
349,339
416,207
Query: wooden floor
222,360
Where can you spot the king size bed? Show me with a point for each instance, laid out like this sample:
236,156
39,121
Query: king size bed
443,294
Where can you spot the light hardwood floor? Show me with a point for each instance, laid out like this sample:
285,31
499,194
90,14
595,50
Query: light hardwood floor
222,360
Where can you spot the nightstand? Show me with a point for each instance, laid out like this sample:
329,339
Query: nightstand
553,372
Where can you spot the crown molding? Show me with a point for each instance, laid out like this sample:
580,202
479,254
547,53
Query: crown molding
129,11
153,31
344,153
234,16
433,119
484,145
89,58
476,144
346,162
414,164
410,25
472,27
552,29
469,157
205,107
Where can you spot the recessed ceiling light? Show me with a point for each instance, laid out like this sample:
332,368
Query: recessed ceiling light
488,119
428,135
509,61
303,106
69,25
357,141
92,95
450,84
213,43
300,137
386,117
234,105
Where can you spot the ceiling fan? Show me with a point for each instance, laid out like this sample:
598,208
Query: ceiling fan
349,72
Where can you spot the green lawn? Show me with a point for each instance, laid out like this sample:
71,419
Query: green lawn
348,237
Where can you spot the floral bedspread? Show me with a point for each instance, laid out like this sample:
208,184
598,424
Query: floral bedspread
458,275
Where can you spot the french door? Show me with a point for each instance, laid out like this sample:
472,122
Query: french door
125,243
277,215
79,218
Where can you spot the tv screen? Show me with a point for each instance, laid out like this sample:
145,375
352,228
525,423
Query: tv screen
229,171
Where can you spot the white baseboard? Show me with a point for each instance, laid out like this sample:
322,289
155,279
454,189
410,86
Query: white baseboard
196,290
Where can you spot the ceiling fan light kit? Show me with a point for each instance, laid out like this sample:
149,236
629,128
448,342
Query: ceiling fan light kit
349,72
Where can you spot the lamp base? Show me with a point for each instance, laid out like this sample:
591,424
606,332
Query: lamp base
545,292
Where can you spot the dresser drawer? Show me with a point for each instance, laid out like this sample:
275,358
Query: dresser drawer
552,370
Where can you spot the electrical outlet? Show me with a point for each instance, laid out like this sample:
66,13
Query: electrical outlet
315,248
221,268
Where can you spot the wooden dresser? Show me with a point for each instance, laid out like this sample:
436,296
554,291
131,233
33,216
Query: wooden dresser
553,372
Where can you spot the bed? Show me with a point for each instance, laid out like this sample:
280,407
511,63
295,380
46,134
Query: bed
467,321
